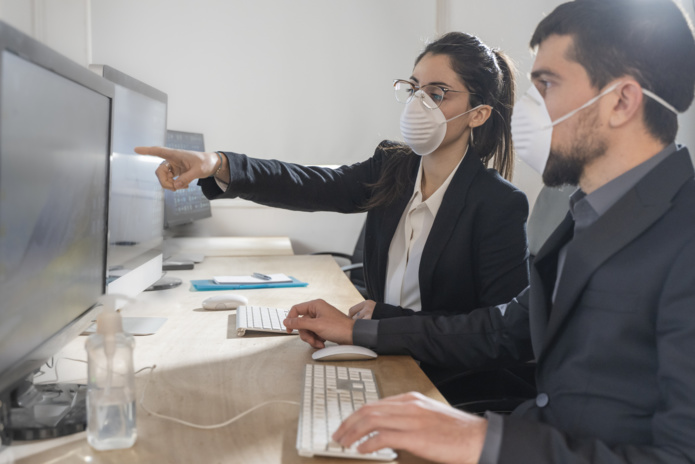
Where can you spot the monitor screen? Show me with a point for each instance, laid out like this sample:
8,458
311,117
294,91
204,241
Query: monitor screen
55,120
185,205
136,205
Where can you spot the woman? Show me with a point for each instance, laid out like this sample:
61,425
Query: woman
443,232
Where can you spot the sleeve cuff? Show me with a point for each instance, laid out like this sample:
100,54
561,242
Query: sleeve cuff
493,439
223,186
364,332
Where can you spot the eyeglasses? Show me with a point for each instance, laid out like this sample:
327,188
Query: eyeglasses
405,90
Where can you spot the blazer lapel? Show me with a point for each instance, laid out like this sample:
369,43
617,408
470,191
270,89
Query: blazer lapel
450,210
643,205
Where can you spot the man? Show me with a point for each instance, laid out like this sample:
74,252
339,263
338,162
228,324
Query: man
609,315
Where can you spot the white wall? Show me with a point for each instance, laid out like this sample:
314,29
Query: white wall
62,24
307,81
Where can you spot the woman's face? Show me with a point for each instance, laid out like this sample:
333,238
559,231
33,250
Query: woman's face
436,70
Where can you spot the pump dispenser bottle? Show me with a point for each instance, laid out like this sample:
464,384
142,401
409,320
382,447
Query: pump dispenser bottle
111,383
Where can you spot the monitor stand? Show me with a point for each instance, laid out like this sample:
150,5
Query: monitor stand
48,411
164,283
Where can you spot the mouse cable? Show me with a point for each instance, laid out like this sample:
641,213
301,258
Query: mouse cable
174,419
198,426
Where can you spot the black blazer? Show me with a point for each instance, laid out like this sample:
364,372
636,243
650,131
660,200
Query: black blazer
476,253
615,363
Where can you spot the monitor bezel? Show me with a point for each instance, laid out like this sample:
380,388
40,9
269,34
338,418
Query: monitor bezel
147,268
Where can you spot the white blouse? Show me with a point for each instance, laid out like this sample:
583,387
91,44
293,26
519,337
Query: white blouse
408,242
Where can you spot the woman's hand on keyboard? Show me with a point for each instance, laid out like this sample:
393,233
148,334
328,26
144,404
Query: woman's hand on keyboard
417,424
317,321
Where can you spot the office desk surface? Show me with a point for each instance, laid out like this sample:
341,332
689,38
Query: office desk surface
206,374
230,246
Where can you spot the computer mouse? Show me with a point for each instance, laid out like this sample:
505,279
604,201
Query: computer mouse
343,353
226,301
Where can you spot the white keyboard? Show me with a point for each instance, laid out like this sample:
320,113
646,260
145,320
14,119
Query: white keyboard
261,319
331,394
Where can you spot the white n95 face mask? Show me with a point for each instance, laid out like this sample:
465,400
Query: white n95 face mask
532,128
423,129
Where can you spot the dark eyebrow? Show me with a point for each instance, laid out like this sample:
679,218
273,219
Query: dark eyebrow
537,74
441,84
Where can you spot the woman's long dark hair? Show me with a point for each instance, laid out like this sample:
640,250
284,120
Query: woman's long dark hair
489,77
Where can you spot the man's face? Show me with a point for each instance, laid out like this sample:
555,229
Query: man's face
565,86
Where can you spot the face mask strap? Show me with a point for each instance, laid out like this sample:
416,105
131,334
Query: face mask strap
472,109
589,103
658,99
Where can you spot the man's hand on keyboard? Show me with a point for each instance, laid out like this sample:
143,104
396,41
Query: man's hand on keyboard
417,424
317,321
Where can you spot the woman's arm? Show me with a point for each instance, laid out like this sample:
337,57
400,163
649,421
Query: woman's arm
297,187
501,249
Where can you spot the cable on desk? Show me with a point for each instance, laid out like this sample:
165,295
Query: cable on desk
54,366
198,426
174,419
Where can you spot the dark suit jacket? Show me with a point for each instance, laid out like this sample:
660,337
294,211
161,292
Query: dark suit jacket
615,352
476,252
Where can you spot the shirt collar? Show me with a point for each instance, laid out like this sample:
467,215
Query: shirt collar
606,196
586,209
435,200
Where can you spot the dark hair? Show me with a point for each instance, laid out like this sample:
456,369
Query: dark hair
650,40
489,77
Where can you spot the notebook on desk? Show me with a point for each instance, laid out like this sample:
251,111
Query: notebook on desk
209,284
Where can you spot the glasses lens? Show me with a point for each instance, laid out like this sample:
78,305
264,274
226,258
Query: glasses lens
404,91
435,93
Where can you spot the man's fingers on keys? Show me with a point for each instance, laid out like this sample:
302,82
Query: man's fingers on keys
391,412
312,339
380,420
308,308
394,439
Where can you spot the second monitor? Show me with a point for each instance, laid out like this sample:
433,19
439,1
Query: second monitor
136,216
186,205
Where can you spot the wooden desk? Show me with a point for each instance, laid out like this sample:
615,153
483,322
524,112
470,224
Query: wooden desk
206,374
230,246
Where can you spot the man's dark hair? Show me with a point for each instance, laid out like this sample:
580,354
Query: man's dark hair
649,40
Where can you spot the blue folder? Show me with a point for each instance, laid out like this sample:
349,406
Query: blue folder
205,285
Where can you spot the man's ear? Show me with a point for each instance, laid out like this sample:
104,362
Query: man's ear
480,115
628,103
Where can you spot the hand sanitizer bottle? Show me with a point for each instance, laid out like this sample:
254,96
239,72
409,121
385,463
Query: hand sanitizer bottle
111,383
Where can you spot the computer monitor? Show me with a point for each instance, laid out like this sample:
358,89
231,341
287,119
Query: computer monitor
55,121
136,201
186,205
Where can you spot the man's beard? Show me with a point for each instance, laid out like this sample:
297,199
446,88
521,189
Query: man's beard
566,165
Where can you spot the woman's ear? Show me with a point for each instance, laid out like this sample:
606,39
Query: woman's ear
480,115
